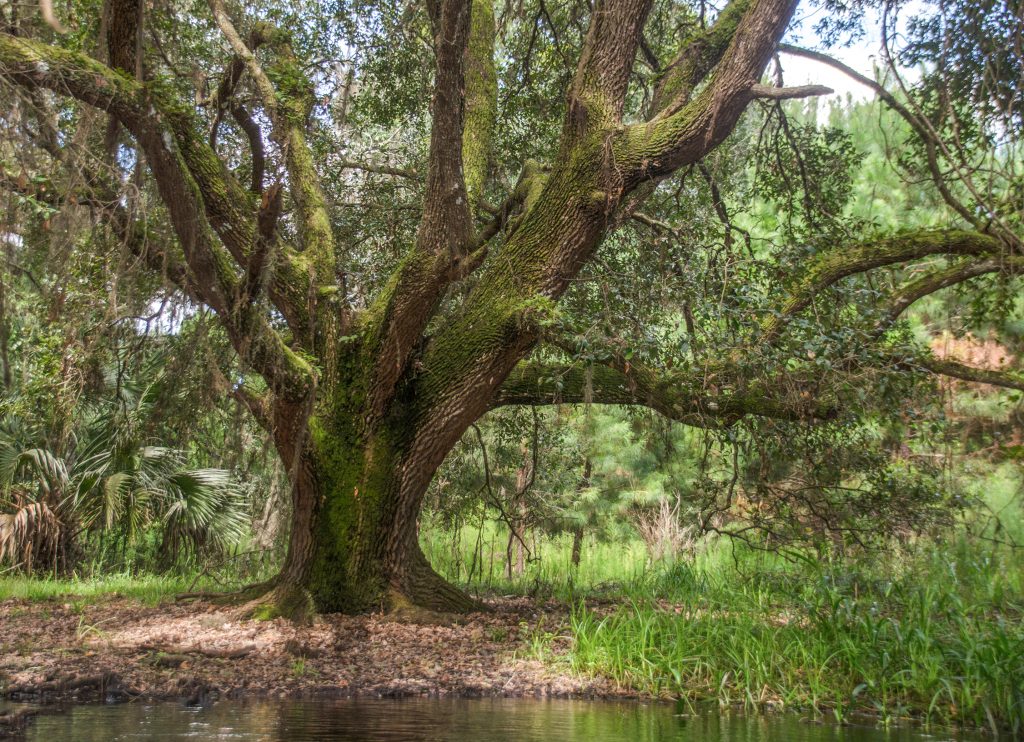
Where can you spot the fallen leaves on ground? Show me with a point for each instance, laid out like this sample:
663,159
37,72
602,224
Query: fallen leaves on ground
120,649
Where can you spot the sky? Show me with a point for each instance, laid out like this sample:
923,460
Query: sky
861,56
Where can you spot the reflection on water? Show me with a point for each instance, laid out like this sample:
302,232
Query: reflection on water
428,720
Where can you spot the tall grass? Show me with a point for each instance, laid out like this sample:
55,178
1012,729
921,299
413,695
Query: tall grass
149,589
944,642
931,630
476,559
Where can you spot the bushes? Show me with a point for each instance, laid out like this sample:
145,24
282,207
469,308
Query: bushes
108,482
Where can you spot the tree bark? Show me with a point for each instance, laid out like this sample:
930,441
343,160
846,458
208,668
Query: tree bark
354,543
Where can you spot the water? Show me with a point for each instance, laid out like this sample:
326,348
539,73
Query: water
426,720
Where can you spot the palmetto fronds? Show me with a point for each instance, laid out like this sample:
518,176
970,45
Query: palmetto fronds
29,536
111,482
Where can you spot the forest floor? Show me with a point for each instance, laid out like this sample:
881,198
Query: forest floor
121,649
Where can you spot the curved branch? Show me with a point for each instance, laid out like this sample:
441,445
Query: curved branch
288,110
222,100
920,127
193,184
828,268
245,55
957,370
941,279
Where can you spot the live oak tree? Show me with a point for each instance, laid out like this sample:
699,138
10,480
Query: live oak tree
365,385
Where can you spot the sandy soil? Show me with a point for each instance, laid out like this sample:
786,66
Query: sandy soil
120,650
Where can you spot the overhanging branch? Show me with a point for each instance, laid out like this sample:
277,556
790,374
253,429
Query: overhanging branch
828,268
941,279
957,370
193,183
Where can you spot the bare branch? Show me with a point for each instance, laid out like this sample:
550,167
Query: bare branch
800,91
46,8
920,126
380,169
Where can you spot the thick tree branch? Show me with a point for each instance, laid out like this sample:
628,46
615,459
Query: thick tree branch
957,370
689,399
675,138
187,175
599,163
481,100
447,223
598,91
696,57
446,228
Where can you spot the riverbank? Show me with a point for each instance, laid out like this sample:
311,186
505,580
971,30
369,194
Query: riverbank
934,634
121,649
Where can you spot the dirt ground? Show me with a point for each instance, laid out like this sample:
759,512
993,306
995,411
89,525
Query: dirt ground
121,650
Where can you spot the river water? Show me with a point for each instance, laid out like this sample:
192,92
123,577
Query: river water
423,720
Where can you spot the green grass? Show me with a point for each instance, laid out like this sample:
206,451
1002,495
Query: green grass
927,630
149,589
943,642
605,567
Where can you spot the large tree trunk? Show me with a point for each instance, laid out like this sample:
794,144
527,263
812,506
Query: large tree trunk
354,545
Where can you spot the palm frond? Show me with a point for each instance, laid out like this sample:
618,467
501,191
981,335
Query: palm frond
29,534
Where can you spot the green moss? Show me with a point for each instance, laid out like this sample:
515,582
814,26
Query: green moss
481,99
266,612
699,54
357,480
